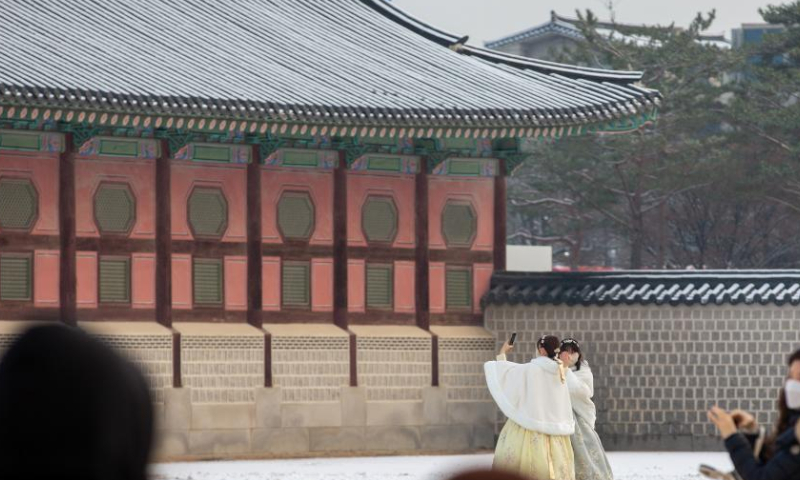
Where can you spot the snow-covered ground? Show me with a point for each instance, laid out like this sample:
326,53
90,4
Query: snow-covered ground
627,466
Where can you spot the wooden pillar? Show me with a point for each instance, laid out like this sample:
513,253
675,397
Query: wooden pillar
254,287
500,214
177,382
340,243
422,252
163,278
66,214
422,263
340,256
267,360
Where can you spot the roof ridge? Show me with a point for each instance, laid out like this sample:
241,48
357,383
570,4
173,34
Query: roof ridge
646,287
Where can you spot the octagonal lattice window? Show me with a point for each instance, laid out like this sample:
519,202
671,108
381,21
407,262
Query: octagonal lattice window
459,224
114,208
296,215
379,219
19,203
208,212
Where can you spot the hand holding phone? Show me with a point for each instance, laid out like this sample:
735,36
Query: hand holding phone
509,345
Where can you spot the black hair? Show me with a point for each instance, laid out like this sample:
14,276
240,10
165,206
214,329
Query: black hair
550,344
783,421
571,345
72,408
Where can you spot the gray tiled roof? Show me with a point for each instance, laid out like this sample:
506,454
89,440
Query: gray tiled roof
331,60
661,287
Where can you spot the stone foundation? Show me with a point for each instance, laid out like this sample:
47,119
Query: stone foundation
270,427
219,406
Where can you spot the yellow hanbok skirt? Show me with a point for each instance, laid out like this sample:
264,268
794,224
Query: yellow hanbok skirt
534,455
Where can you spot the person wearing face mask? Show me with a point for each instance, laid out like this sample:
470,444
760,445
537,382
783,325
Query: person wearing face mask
775,458
591,462
534,442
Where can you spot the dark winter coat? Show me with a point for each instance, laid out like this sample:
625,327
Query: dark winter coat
784,465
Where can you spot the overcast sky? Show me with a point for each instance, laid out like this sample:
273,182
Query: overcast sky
486,20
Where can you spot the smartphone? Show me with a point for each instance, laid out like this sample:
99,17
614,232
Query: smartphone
513,338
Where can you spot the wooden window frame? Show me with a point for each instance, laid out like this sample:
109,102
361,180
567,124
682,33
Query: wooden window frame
390,200
221,262
36,212
458,245
373,308
460,309
308,306
296,240
127,258
30,257
224,229
122,186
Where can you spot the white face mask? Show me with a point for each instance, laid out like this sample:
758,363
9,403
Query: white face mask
792,391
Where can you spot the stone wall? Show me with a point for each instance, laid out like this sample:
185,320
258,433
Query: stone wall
312,408
659,368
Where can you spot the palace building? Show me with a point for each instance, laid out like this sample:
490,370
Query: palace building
285,211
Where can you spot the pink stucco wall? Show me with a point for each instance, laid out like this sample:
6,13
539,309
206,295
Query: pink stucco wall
356,270
181,281
86,266
271,283
481,278
45,278
322,285
143,285
437,287
404,293
235,283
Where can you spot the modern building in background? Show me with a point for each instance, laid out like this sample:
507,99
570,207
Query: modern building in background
750,34
287,212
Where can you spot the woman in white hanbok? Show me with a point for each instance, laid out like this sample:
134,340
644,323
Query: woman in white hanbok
591,462
534,442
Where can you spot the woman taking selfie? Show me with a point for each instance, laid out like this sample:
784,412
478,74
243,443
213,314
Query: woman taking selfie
534,396
779,459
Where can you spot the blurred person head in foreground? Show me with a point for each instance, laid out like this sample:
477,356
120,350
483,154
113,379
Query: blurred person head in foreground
72,408
487,475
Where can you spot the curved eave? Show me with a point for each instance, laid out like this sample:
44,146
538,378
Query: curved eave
79,99
447,39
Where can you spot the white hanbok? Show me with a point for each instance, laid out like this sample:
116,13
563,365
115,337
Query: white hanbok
591,462
534,442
